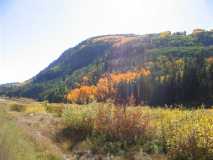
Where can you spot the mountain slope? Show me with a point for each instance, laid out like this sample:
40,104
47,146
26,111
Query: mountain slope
110,53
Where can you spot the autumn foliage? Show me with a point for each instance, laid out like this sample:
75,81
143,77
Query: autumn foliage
82,95
106,87
178,133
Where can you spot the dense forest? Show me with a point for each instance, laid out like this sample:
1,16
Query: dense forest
155,69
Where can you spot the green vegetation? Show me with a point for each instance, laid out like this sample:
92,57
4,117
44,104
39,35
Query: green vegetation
172,81
11,147
128,132
117,53
170,70
28,108
107,75
15,145
178,133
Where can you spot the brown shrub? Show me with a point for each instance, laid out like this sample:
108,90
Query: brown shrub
120,125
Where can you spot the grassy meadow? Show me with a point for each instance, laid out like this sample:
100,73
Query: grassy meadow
123,133
15,144
177,133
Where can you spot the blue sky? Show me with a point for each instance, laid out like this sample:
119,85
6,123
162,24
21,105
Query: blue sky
35,32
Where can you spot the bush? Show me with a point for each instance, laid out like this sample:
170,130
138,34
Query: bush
34,108
80,118
56,109
191,137
179,133
28,108
108,127
119,125
18,107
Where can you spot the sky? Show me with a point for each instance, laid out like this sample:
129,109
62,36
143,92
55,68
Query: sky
33,33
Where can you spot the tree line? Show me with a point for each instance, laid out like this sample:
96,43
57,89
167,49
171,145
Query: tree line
167,81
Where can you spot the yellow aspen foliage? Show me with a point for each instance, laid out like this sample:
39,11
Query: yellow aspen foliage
129,76
179,62
106,84
105,87
73,95
82,95
165,34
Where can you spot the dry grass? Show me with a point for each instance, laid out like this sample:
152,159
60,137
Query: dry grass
15,145
19,134
27,108
117,41
179,133
120,125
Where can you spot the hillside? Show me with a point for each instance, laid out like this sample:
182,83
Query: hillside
112,53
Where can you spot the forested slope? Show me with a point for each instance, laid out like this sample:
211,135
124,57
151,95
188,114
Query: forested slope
180,67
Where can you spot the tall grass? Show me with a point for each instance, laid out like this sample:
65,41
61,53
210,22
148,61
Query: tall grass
28,108
181,134
14,145
108,128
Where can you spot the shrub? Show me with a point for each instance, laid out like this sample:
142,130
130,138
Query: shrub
119,125
28,108
34,108
18,107
107,126
80,118
191,137
56,109
179,133
184,134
